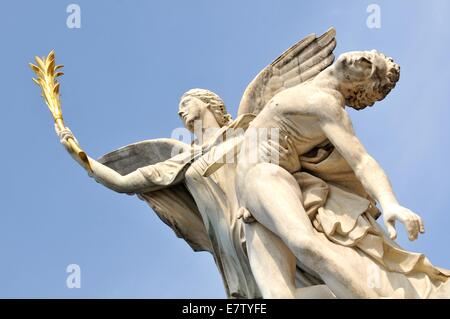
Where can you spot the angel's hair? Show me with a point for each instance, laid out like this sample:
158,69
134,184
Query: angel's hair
384,81
214,102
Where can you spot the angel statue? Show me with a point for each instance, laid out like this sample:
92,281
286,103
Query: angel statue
293,214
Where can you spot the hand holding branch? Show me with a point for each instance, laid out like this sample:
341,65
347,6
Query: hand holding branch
47,72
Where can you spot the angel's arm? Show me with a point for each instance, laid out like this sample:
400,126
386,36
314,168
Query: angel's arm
145,179
337,126
132,183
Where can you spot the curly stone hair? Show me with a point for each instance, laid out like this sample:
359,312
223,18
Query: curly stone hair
214,102
384,80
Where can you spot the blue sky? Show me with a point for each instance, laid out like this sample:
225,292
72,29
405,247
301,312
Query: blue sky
126,68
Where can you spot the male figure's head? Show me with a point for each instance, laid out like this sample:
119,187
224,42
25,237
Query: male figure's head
365,77
195,105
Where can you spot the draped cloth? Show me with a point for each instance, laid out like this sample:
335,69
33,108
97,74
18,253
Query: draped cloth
334,199
201,210
339,208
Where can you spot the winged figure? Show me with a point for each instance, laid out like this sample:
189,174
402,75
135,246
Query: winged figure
299,219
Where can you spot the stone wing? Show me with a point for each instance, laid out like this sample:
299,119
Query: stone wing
174,205
301,62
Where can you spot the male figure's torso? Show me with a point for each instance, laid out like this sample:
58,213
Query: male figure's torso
296,113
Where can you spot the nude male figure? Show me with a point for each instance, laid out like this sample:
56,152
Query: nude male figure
307,116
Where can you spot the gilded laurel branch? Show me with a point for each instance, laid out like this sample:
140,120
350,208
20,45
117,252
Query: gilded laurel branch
47,73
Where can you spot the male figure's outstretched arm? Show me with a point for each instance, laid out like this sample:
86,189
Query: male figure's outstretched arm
337,126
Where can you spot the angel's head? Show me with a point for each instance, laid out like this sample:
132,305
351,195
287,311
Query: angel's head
366,77
195,103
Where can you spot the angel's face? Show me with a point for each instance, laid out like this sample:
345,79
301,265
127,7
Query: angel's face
191,109
357,66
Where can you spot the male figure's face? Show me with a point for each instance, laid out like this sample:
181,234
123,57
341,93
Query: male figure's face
191,109
358,66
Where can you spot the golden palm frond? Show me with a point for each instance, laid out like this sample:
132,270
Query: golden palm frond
46,72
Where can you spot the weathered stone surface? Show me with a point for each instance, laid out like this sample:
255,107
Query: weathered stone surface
299,220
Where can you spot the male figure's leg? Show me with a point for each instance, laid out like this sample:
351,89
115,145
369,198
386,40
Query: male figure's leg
274,198
274,266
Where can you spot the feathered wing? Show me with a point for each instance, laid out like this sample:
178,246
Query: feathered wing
174,204
301,62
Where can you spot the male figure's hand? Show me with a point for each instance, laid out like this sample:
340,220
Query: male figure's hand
413,222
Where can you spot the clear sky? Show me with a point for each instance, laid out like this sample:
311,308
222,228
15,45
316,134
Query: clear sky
126,68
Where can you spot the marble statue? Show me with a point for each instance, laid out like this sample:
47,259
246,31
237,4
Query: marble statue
285,197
